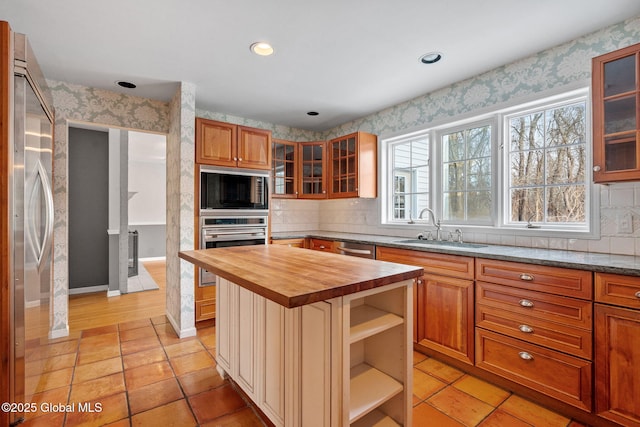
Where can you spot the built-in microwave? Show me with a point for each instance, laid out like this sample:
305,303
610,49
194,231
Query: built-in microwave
233,190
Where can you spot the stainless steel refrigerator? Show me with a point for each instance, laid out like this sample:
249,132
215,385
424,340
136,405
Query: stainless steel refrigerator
29,215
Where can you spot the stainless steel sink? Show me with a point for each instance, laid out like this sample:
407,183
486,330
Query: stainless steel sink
442,243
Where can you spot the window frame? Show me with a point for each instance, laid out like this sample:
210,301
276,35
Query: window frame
500,168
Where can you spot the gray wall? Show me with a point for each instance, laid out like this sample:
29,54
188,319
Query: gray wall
152,240
88,208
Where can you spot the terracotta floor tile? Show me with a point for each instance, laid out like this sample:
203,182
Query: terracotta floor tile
182,348
97,388
94,354
166,334
215,403
418,357
48,381
143,357
209,341
172,414
499,418
201,381
426,415
134,324
192,362
99,331
137,333
204,332
424,385
575,423
154,395
460,406
130,347
147,374
51,364
47,420
102,368
51,350
532,413
105,410
56,396
159,320
244,418
482,390
103,340
126,422
438,369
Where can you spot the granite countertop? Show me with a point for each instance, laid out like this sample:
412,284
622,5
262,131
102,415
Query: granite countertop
293,277
605,263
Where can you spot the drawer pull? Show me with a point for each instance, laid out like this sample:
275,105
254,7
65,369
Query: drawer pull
526,277
526,303
637,294
525,356
321,247
526,329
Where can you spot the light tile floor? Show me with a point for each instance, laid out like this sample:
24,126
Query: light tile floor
142,281
141,374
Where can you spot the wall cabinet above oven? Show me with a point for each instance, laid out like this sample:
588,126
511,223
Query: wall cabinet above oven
229,145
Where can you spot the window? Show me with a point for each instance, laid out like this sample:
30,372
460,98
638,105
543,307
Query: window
466,175
409,166
541,150
546,158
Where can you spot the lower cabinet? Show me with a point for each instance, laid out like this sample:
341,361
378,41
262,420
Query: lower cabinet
617,344
344,361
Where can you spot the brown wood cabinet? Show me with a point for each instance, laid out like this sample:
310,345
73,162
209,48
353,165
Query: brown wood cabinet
321,245
312,181
284,170
226,144
205,297
353,166
534,326
617,338
616,116
294,243
445,301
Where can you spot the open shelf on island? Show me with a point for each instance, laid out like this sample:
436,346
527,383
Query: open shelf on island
367,321
375,418
369,388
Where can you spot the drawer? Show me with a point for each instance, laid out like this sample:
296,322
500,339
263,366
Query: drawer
293,243
531,304
321,245
575,341
555,280
434,263
205,309
617,289
555,374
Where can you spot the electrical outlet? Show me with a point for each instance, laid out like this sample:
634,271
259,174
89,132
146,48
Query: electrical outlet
625,223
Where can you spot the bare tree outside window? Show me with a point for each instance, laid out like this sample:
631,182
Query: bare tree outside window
547,165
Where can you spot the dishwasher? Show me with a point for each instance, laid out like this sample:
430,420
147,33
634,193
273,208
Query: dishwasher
362,250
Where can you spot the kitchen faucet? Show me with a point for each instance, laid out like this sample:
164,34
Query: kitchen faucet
436,222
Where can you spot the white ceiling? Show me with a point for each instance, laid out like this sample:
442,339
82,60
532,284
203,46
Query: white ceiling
343,58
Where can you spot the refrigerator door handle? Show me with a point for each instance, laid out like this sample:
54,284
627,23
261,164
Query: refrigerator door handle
41,247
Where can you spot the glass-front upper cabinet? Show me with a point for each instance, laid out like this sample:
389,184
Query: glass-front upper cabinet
353,166
313,170
616,111
283,171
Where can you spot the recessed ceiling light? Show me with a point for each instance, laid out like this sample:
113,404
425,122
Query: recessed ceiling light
431,57
312,113
127,85
261,48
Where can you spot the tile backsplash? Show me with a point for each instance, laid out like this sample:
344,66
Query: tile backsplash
363,216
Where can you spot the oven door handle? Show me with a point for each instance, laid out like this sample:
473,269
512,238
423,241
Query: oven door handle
231,236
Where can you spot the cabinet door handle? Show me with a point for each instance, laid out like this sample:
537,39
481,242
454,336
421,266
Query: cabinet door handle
419,281
596,168
526,277
637,294
235,159
526,329
526,303
525,356
239,159
321,247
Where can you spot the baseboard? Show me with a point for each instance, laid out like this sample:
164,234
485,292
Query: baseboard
59,333
88,289
152,258
182,333
113,294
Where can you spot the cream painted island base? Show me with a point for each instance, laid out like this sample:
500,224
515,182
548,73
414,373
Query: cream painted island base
340,361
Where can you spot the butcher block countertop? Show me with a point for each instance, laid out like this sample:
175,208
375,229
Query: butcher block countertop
293,277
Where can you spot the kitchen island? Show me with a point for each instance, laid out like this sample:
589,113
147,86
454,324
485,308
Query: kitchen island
313,338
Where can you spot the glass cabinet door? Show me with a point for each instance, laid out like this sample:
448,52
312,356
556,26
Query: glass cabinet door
284,162
615,112
312,170
344,166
